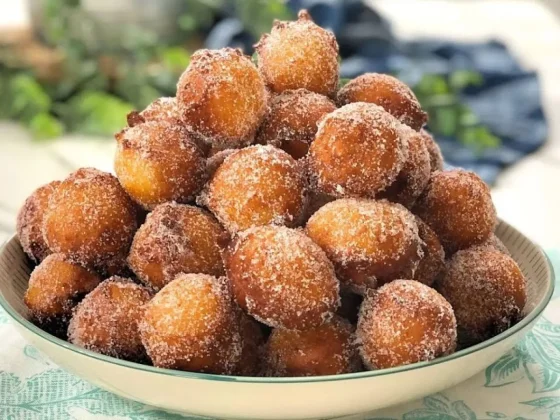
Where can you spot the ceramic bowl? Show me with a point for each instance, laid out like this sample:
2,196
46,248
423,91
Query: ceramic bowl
278,398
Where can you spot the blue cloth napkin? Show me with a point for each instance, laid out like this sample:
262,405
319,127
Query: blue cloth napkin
508,101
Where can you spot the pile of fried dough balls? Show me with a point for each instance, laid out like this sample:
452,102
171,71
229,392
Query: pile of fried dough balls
267,222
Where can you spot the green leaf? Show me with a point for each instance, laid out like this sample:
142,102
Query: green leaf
28,97
496,415
176,59
463,411
424,414
432,84
544,402
445,121
460,79
44,126
506,370
437,402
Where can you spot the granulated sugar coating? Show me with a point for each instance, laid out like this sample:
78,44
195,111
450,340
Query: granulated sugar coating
357,151
487,291
30,222
492,243
192,324
405,322
222,97
107,320
91,220
162,109
388,92
432,265
216,160
252,338
282,278
292,119
297,55
256,186
158,161
367,240
436,158
415,174
329,349
458,206
177,238
55,287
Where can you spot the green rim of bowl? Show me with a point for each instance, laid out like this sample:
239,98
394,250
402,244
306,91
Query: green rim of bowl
529,318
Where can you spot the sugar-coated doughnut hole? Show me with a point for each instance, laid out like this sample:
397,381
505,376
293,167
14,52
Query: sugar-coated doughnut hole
328,349
222,97
107,320
487,291
405,322
432,264
192,324
291,120
388,92
252,343
297,55
215,161
492,243
158,162
282,278
415,174
357,151
458,206
30,222
368,241
92,220
256,186
55,288
162,109
436,158
177,238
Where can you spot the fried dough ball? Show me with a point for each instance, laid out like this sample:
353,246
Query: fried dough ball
158,162
222,97
30,222
107,320
368,241
91,220
252,343
176,238
291,121
436,158
405,322
358,151
492,243
256,186
487,291
282,278
298,55
55,287
162,109
215,161
325,350
415,174
192,324
388,92
432,264
457,205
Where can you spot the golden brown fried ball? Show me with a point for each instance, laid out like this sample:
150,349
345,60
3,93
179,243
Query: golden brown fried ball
215,161
432,264
492,243
436,158
325,350
176,238
158,162
405,322
358,151
252,343
107,320
256,186
388,92
368,241
415,174
222,97
192,324
55,287
291,121
487,291
91,220
30,222
282,278
162,109
457,205
297,55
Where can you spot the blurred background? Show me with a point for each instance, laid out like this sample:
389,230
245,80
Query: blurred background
487,72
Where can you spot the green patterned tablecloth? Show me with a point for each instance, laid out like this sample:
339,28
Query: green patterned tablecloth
523,384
